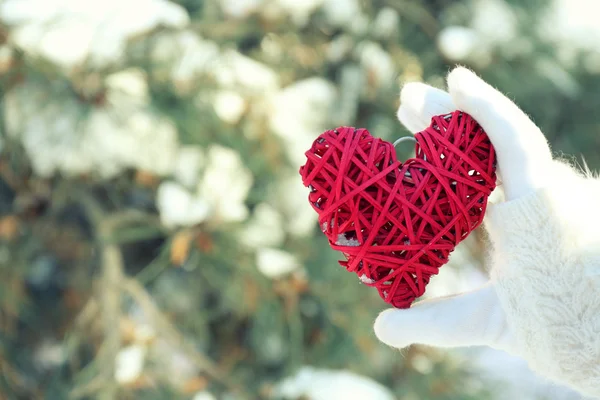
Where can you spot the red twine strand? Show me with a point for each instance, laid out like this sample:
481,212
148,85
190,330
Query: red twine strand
396,223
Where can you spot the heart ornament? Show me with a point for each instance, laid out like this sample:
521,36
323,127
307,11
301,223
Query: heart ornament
397,223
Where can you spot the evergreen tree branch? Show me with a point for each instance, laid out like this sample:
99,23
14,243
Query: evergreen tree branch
418,14
166,329
111,286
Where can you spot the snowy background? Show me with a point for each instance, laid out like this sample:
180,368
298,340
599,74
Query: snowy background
155,238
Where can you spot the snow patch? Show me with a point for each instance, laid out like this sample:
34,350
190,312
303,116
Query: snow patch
324,384
342,240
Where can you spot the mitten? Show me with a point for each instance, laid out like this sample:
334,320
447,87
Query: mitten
542,301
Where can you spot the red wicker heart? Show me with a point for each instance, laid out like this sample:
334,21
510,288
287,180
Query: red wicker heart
396,223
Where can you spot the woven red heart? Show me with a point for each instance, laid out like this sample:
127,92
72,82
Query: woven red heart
397,223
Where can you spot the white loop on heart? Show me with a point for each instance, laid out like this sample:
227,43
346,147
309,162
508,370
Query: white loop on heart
404,139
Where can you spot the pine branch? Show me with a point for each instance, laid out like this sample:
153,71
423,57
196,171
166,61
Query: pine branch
109,300
418,14
166,329
108,303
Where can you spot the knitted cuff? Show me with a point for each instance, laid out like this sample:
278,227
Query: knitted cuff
543,215
516,219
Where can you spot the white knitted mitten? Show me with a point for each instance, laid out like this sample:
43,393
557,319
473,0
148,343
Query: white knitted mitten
543,300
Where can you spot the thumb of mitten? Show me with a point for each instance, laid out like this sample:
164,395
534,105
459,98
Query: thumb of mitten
466,319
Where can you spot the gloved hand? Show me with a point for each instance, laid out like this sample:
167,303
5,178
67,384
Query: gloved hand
543,299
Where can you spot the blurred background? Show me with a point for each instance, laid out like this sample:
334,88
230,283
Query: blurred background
156,241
